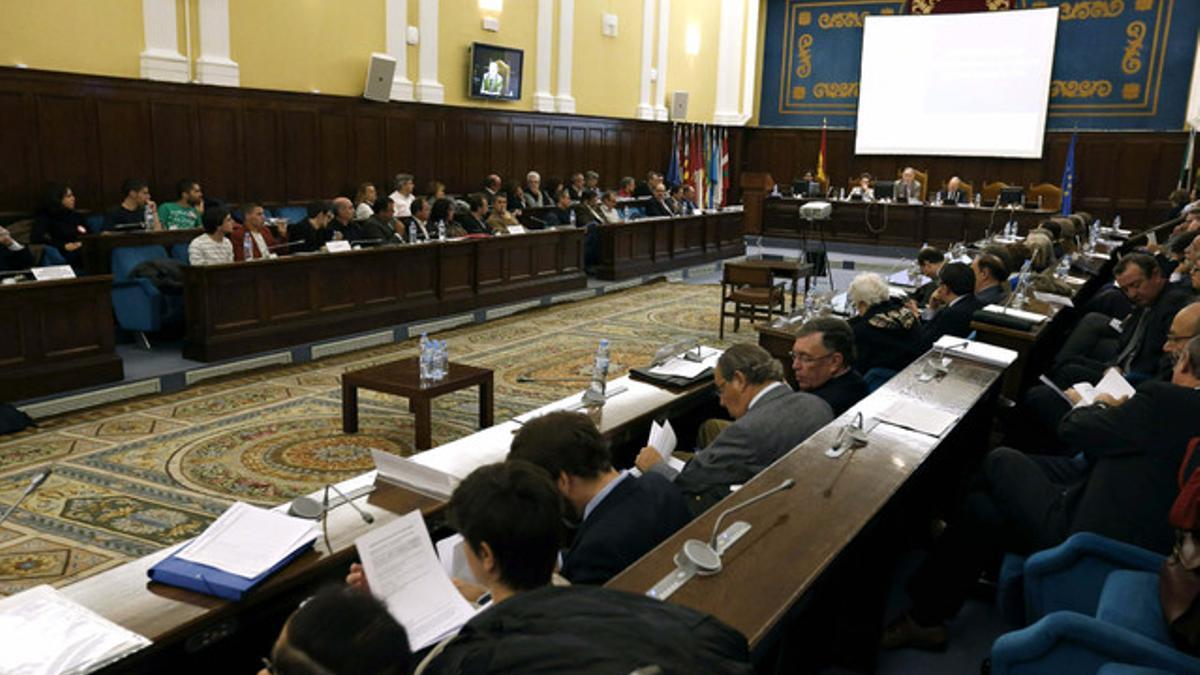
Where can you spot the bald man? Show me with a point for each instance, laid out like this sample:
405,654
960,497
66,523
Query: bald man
954,193
343,219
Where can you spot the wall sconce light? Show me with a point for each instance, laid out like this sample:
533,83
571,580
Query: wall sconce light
691,40
493,6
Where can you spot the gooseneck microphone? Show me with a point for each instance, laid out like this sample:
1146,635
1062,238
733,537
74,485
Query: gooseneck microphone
34,484
704,557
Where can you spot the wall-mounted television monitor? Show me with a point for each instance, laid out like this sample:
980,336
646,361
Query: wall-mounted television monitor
495,72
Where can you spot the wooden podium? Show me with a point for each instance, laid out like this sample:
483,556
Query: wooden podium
755,187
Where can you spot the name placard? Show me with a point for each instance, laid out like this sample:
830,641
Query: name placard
53,272
338,246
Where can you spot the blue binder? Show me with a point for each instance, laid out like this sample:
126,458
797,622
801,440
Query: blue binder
175,571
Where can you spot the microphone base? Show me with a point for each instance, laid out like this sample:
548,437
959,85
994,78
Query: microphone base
305,507
698,556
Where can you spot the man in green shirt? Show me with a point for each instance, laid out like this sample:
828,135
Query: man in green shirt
185,213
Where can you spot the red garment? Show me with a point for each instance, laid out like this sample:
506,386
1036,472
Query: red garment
238,239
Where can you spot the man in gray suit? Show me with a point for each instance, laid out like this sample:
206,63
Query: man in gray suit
908,187
769,420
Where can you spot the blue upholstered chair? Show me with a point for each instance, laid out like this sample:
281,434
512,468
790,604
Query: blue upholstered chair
94,222
1095,603
140,307
294,214
877,377
180,252
51,256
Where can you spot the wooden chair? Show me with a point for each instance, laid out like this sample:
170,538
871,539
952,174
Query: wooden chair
1051,195
991,191
922,176
752,291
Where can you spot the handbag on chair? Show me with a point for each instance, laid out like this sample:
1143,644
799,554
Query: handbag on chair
1179,579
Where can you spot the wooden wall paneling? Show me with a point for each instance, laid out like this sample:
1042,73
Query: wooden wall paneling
16,131
576,157
540,151
223,145
338,175
66,138
476,154
398,146
427,146
594,153
172,133
499,151
561,159
520,143
367,151
126,150
264,136
301,157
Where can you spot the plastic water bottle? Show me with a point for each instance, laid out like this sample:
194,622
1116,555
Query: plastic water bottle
1064,267
1093,234
572,217
147,217
1117,222
441,230
595,390
426,358
247,247
412,232
441,363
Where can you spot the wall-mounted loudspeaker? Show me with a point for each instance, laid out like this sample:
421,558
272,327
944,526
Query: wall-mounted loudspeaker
679,102
379,78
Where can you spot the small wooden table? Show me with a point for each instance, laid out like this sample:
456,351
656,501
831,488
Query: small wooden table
792,269
403,378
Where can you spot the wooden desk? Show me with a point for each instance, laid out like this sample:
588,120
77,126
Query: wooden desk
662,244
791,269
56,336
907,225
403,378
1035,347
797,534
97,248
188,627
242,308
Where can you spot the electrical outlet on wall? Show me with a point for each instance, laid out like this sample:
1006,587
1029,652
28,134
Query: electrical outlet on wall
608,25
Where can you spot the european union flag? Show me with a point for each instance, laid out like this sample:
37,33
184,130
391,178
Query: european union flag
1068,178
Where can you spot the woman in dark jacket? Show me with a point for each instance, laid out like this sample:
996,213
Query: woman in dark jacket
58,224
886,333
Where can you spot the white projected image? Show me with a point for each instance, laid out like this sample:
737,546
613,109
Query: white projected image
958,84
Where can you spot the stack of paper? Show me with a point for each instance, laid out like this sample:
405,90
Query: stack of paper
1053,299
678,366
247,541
975,351
417,477
917,417
44,632
662,438
452,552
1032,317
403,571
1113,383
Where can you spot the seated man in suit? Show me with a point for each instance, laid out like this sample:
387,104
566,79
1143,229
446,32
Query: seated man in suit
953,302
263,242
991,279
621,516
929,261
954,193
343,221
313,232
491,187
646,189
659,206
1122,488
591,181
510,515
418,225
13,256
383,226
823,360
688,205
501,218
576,187
908,187
675,199
316,636
587,211
563,214
475,220
769,419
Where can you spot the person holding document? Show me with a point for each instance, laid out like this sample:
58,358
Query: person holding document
1122,488
622,516
769,419
510,515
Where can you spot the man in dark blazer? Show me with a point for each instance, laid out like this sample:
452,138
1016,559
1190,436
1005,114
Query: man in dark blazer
769,420
622,516
991,279
823,361
955,302
1122,488
659,206
475,220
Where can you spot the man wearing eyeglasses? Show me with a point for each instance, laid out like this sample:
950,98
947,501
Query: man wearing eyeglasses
823,360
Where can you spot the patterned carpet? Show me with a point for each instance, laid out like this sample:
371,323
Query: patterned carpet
134,477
